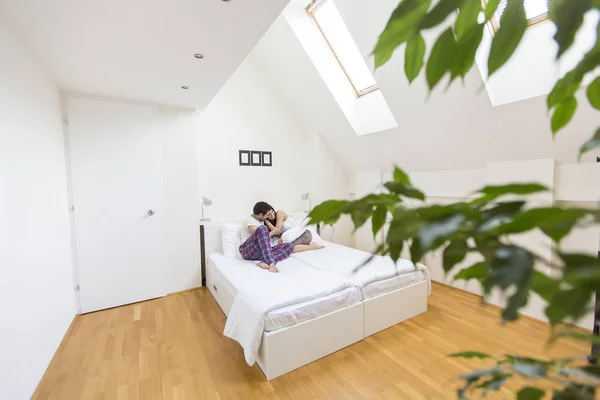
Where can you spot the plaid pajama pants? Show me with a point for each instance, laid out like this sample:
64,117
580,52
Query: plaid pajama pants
258,248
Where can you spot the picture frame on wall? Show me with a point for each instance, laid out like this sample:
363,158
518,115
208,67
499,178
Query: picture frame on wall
255,158
244,158
267,159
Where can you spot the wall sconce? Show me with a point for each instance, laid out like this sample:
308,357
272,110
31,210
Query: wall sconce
306,196
205,202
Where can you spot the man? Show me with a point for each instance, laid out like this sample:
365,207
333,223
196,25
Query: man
256,245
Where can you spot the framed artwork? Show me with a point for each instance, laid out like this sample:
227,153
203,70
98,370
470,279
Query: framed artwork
267,159
255,159
244,158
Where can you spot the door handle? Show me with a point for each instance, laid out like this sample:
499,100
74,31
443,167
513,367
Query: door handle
150,212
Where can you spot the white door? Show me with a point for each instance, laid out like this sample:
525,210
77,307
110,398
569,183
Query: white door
114,156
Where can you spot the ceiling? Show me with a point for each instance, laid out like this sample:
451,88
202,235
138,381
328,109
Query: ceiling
141,49
455,128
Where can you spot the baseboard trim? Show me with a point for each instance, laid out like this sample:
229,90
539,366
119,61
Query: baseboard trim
59,350
184,291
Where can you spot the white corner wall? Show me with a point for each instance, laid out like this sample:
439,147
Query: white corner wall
36,277
248,114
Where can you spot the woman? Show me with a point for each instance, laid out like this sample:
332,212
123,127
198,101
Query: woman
280,223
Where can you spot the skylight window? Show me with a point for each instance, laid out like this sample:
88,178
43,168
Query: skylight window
326,16
535,10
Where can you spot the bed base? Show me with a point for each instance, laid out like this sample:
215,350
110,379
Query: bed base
292,347
391,308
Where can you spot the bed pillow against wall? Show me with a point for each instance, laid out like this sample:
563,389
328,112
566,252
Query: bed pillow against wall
232,239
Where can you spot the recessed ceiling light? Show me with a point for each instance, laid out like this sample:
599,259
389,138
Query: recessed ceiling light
198,55
185,87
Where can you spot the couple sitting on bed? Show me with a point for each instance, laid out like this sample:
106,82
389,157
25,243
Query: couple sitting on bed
261,238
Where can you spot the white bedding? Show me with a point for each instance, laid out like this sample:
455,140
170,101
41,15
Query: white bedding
259,292
343,260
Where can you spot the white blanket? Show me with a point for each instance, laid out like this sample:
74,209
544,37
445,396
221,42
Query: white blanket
260,292
344,260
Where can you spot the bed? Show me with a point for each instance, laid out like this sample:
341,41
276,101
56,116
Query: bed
287,320
391,292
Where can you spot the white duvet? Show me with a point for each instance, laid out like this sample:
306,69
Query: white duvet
343,260
260,292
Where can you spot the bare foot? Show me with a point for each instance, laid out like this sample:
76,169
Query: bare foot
263,265
273,268
316,246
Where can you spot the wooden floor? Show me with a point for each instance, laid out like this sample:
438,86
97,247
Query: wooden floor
173,348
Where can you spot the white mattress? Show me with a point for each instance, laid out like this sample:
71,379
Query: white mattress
236,274
397,282
379,276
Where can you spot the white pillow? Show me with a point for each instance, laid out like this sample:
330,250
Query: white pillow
294,233
232,239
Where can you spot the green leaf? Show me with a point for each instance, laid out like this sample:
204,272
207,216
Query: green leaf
495,382
544,286
556,222
466,48
360,215
416,251
564,88
470,354
454,253
401,176
591,144
530,393
593,93
510,265
396,250
568,303
441,58
379,219
563,113
575,391
512,27
414,57
530,370
490,9
467,17
440,12
435,233
580,268
478,374
401,27
492,192
567,15
515,302
404,190
327,212
476,271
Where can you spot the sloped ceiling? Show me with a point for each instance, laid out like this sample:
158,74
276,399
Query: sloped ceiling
455,128
141,49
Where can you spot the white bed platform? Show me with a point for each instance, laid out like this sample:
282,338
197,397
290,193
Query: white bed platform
391,308
291,347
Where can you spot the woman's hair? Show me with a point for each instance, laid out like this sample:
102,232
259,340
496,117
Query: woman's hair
274,220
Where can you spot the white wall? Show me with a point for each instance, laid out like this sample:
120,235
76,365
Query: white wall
181,237
36,284
248,114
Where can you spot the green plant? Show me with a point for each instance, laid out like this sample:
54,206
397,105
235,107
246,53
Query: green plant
484,224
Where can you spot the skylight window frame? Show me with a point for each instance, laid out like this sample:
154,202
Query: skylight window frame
311,9
494,24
